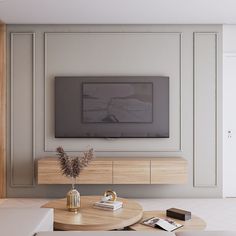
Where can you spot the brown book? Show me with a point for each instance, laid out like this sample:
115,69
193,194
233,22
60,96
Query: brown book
178,214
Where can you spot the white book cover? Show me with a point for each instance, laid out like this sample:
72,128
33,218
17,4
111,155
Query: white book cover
107,208
108,204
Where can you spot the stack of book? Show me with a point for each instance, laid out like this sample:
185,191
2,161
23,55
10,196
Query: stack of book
108,205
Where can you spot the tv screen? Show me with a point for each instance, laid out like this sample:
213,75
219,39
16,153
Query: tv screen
112,107
117,102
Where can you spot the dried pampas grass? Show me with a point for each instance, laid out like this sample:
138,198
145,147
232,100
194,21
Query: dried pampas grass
72,166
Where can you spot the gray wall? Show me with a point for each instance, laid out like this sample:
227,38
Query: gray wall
191,55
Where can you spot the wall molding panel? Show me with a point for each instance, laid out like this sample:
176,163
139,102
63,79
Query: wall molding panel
73,145
205,100
22,125
2,110
189,54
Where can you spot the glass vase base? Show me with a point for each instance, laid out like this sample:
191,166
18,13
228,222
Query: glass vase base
73,200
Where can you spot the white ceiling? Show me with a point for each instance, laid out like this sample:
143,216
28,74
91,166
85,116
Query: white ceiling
118,11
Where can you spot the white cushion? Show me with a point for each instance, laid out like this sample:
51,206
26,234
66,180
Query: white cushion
207,233
105,233
25,221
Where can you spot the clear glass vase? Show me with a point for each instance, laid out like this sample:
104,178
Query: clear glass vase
73,198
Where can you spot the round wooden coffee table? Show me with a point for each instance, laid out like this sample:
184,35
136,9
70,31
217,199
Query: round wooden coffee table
89,218
196,223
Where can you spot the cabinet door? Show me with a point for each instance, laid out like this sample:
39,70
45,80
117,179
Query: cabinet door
49,172
98,172
168,171
131,172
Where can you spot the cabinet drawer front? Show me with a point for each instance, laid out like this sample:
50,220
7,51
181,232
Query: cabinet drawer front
49,173
98,172
131,172
168,172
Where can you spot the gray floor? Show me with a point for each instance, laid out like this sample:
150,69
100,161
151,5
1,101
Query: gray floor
219,214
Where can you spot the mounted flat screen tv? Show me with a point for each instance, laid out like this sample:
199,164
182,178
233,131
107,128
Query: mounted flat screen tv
112,107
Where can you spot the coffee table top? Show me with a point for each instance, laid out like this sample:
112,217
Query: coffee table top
89,218
196,223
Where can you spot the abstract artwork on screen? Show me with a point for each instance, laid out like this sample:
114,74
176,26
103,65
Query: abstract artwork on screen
117,102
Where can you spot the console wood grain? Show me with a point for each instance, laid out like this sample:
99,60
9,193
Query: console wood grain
168,171
140,170
92,219
99,172
131,172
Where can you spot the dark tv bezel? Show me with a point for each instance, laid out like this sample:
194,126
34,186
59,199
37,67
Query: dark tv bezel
102,78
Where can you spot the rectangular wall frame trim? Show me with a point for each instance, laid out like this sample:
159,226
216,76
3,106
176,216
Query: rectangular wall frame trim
198,126
12,78
179,149
2,110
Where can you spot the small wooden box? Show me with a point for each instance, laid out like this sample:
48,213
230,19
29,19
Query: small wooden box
178,214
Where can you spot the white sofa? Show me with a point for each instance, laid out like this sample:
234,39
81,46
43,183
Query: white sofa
25,221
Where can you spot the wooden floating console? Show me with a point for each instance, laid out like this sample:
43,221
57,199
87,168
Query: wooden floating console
161,170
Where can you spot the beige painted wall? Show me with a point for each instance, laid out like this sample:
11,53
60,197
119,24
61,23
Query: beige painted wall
189,54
